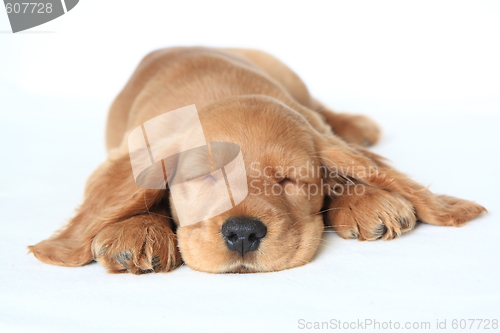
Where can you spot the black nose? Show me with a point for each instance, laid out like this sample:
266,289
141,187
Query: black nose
243,234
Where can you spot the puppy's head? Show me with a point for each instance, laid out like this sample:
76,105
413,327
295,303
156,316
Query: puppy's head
278,224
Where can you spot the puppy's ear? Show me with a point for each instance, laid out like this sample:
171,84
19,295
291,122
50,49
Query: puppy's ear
358,165
111,195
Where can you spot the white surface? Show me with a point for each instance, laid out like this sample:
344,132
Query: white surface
427,72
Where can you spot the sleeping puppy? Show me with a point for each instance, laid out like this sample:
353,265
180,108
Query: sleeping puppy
306,167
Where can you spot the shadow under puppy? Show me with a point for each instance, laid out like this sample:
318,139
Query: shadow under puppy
249,98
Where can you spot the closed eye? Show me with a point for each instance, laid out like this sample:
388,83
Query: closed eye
208,177
284,181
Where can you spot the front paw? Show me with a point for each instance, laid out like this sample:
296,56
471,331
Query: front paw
372,214
141,244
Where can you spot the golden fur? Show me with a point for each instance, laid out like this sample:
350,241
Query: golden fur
250,98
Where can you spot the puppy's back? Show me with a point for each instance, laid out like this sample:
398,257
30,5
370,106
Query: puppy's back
171,78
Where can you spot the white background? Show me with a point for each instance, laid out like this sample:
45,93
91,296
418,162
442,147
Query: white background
427,71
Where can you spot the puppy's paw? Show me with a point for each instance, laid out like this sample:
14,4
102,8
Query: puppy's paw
373,214
455,212
356,129
141,244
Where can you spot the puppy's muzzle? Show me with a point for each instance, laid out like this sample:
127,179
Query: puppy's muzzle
243,234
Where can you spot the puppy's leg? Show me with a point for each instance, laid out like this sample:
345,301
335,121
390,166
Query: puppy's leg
387,203
116,216
352,128
141,244
369,213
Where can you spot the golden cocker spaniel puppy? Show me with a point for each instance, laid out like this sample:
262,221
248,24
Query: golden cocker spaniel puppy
288,140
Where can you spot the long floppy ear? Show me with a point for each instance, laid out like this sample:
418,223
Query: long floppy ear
111,195
360,165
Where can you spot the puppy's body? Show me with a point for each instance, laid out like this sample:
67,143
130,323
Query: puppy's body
172,78
249,98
